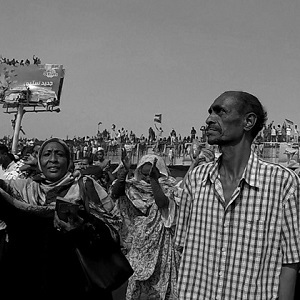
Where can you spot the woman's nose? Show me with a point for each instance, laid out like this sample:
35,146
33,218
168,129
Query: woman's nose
52,157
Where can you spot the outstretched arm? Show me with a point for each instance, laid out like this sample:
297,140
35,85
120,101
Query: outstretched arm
12,202
161,199
118,187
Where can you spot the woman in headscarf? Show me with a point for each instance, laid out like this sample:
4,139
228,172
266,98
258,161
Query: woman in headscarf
41,258
148,204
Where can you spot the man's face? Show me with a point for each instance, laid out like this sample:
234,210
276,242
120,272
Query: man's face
100,155
54,161
225,124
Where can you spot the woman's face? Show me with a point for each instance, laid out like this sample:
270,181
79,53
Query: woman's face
145,170
54,161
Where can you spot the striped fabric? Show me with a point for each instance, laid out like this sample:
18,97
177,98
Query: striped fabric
236,252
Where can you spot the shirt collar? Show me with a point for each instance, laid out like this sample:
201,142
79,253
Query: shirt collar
250,174
252,171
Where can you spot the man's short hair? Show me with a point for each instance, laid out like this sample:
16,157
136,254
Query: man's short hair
250,103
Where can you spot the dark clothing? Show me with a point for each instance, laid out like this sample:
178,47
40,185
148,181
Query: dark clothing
3,251
95,171
193,134
36,247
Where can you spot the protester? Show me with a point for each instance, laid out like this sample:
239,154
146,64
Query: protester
193,133
41,256
10,164
100,159
104,178
148,208
30,167
238,224
273,134
288,134
151,135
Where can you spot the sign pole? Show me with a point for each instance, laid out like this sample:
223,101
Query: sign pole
19,117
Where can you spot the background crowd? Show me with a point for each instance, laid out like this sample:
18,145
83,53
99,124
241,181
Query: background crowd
171,144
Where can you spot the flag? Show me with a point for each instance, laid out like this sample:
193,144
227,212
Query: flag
157,118
99,123
289,122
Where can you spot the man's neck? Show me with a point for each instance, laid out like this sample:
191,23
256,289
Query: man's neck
234,160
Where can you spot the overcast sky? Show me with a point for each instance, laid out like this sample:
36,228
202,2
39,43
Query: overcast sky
127,60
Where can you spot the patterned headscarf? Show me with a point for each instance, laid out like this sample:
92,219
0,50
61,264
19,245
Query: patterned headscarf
140,192
149,158
61,142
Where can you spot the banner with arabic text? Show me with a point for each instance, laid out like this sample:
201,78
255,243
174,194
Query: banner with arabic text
31,85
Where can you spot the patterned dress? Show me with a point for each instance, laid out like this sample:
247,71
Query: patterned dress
147,235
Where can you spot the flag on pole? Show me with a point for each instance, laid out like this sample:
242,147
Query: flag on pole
99,123
289,122
157,118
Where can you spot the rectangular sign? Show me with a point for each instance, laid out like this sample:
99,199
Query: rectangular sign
31,85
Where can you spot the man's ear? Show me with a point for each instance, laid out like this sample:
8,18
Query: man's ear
250,120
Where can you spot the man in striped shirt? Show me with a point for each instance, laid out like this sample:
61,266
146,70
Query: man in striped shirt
238,225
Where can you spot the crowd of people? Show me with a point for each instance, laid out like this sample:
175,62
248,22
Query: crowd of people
228,229
171,144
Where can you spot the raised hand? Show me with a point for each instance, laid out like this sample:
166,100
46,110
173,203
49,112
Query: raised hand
154,172
125,159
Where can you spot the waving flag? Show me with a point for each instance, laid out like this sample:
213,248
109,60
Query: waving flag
289,122
157,118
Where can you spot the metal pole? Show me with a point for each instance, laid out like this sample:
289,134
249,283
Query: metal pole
19,117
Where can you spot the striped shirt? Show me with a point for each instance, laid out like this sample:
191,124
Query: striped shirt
237,251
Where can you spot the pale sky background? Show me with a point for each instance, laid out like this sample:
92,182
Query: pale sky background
127,60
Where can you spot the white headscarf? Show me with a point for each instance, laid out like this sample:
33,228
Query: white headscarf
149,158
